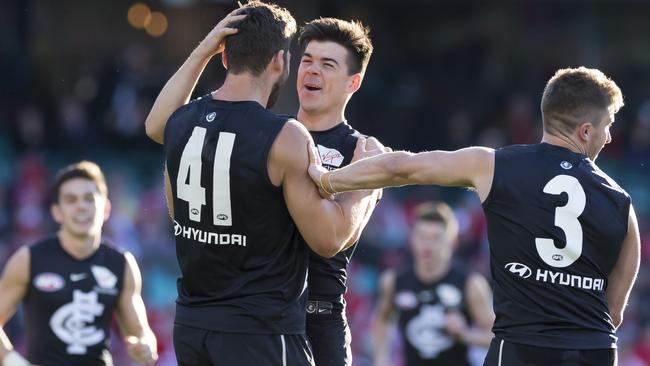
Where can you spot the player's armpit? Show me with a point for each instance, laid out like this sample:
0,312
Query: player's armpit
13,287
131,316
325,225
624,274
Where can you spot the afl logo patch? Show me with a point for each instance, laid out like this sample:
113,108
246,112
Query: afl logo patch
222,217
211,116
49,282
519,269
566,165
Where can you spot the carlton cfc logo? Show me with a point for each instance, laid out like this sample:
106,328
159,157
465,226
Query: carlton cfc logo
519,269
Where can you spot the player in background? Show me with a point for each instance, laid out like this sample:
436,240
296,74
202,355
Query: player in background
257,195
564,238
441,309
72,284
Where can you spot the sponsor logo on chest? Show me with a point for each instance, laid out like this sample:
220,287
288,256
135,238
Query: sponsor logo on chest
330,157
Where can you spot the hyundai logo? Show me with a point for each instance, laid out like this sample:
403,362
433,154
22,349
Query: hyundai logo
557,257
222,217
177,228
519,269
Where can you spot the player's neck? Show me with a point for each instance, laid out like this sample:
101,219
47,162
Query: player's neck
565,142
320,121
243,87
431,271
79,247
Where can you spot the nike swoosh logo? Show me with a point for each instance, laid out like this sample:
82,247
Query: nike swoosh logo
74,277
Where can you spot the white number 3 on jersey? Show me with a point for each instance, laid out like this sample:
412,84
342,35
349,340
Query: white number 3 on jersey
566,218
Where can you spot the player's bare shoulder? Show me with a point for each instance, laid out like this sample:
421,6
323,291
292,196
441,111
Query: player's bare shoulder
289,150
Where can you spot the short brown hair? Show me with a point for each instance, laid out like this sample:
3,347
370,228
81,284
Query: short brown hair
352,35
438,212
266,29
572,96
83,169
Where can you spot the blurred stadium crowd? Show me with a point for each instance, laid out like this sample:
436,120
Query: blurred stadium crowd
78,80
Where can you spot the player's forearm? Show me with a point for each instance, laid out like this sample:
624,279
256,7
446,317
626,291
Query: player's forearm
176,93
380,342
5,344
370,207
354,211
477,337
371,173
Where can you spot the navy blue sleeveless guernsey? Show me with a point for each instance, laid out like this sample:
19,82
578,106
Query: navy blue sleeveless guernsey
556,224
422,309
243,263
70,303
328,276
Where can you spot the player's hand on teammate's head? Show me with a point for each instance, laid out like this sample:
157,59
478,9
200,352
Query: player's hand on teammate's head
368,147
214,42
142,350
317,171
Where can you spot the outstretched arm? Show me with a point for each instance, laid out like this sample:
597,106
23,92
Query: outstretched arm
622,277
178,90
131,316
469,167
13,287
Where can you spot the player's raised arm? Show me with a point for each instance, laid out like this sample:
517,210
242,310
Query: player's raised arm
469,167
13,287
326,225
622,277
131,316
178,89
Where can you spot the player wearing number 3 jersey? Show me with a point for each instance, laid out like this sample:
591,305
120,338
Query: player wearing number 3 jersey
564,241
243,201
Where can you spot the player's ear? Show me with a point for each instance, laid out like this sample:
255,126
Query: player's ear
277,62
224,60
55,211
107,209
354,82
585,130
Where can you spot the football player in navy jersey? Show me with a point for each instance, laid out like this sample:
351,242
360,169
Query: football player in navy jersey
72,284
564,238
441,308
252,212
335,55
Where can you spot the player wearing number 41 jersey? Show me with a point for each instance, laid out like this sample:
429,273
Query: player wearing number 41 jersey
243,201
564,240
335,54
